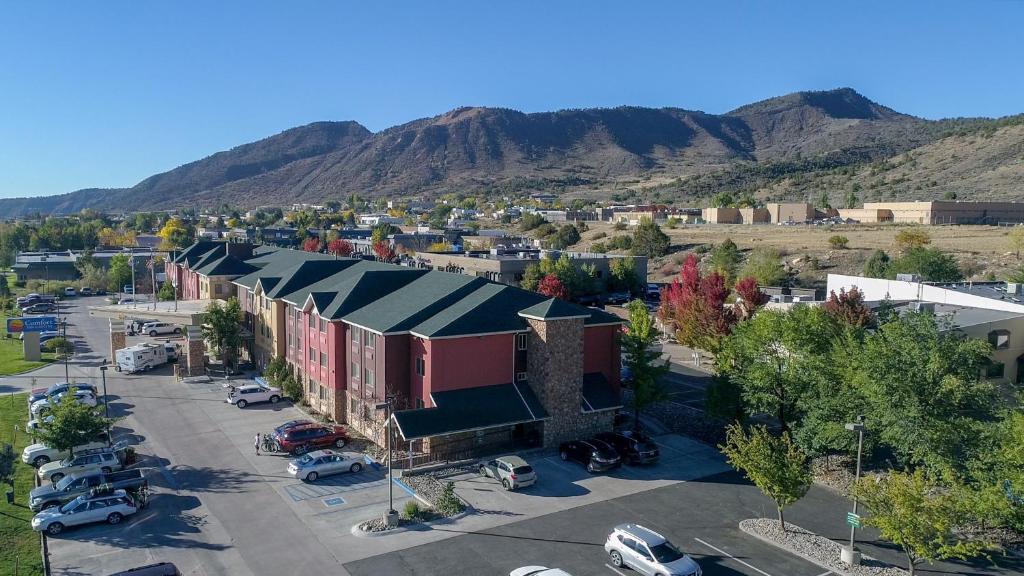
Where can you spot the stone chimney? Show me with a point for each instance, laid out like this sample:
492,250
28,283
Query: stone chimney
555,373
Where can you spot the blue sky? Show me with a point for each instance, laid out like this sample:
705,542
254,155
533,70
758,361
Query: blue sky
103,94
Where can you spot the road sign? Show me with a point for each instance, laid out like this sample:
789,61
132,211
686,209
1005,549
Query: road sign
32,324
853,519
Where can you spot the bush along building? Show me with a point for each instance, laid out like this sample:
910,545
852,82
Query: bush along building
469,365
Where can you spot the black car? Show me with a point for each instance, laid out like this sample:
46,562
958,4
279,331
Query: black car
633,447
595,454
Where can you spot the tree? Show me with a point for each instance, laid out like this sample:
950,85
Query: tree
440,247
381,232
311,244
995,491
622,276
61,346
340,247
649,240
750,298
931,264
532,276
552,287
764,266
222,328
823,201
773,463
877,265
384,252
838,242
694,305
166,292
646,366
920,518
912,238
925,396
849,308
175,234
1015,237
851,199
119,273
773,359
73,424
566,236
725,259
722,200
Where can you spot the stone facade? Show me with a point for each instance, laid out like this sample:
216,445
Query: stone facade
195,354
555,373
117,340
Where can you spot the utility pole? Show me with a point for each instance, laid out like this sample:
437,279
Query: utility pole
135,301
850,555
152,272
106,408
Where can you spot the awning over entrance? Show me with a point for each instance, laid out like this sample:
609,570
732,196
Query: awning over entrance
598,394
471,409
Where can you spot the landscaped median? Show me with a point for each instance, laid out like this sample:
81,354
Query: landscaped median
814,548
433,501
20,553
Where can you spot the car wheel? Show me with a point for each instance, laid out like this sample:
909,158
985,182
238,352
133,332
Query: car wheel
340,443
55,528
312,476
106,470
483,471
616,558
563,455
114,518
274,399
506,485
241,403
177,330
591,468
40,460
56,477
152,333
117,368
355,468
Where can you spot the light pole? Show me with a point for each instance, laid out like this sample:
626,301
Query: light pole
391,516
106,409
850,554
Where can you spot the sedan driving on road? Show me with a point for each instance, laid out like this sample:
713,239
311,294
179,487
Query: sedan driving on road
596,455
324,463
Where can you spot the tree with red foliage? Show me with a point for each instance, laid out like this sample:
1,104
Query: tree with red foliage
849,308
311,244
340,247
383,251
749,298
552,287
695,306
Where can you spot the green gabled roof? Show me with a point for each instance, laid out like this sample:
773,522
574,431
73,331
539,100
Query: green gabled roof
276,265
469,409
601,317
491,308
330,283
193,253
368,286
406,307
308,272
322,300
598,394
554,308
226,266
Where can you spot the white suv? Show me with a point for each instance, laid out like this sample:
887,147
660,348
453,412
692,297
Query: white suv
111,508
154,328
39,454
647,552
250,393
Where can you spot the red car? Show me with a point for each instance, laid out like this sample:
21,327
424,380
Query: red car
304,438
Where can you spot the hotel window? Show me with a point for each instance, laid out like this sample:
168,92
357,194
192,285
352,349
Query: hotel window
421,366
323,325
312,322
999,339
354,370
312,355
995,370
520,376
521,340
355,335
371,339
323,360
368,377
218,289
323,393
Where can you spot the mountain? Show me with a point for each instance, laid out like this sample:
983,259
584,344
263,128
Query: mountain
670,152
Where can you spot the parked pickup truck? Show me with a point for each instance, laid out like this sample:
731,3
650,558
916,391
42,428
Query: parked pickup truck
75,485
39,454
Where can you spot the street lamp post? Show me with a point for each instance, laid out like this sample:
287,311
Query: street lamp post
391,516
850,555
106,409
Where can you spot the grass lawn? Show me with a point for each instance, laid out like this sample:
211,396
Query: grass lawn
12,356
20,543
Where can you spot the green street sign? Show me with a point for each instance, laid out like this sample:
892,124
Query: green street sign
853,519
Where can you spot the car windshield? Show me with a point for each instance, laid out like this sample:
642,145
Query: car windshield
666,553
70,505
65,482
305,460
522,469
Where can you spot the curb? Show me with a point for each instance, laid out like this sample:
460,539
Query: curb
808,557
44,548
417,527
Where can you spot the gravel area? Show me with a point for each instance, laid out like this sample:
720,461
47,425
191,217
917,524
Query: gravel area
817,549
425,485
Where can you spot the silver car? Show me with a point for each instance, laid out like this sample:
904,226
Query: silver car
324,463
512,471
110,508
647,552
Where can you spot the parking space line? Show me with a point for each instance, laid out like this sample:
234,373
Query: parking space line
825,573
614,569
720,551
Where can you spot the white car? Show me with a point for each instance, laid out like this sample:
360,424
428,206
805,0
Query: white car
36,423
242,396
85,397
102,459
155,328
538,571
110,508
40,454
647,552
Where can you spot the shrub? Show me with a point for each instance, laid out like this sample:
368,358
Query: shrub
448,504
411,511
619,226
598,248
291,388
60,346
838,242
599,235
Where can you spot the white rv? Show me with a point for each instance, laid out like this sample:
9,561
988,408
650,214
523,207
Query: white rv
140,357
